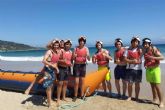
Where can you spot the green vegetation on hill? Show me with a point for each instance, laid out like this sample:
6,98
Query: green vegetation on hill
7,46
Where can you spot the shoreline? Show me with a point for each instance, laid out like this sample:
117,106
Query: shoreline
36,66
15,99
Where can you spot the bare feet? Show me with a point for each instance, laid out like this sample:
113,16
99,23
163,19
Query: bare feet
27,92
48,105
128,99
155,101
64,99
58,103
161,105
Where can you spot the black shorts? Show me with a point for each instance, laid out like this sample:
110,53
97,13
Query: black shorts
63,73
133,76
120,72
79,70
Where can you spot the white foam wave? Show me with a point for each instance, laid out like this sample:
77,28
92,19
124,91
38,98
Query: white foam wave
40,58
4,58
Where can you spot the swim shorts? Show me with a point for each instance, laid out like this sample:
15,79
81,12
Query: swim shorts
79,70
120,72
108,75
153,75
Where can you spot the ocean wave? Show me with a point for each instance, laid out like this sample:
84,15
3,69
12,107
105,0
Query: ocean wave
4,58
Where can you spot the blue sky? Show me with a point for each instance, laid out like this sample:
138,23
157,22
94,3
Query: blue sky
35,22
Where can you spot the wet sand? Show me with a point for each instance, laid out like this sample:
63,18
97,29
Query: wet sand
18,101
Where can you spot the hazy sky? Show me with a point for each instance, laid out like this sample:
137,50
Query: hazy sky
35,22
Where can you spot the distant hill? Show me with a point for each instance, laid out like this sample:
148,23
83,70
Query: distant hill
7,46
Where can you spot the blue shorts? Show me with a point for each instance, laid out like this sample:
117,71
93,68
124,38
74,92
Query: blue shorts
50,78
79,70
63,73
120,72
133,76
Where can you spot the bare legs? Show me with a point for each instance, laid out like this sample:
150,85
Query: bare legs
62,86
117,86
109,87
157,92
117,83
49,95
27,91
107,84
137,90
65,83
153,93
124,87
59,89
104,86
81,81
129,91
76,86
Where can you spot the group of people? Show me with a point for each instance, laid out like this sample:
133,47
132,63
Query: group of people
59,59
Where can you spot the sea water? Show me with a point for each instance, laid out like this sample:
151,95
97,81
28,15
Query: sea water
37,55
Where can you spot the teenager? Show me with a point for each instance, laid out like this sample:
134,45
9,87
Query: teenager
102,58
120,69
64,64
134,67
152,58
80,57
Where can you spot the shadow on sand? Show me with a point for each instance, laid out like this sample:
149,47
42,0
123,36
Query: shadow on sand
36,100
116,96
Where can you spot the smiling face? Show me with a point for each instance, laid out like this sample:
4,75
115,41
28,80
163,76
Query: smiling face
67,46
118,45
81,43
134,43
146,45
56,46
98,46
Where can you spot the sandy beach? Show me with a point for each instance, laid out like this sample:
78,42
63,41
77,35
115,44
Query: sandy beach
18,101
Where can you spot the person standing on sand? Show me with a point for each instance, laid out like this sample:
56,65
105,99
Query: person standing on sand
152,58
41,75
134,67
64,64
120,69
102,58
80,57
50,61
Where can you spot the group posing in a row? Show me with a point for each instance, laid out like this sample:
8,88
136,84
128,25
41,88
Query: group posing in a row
59,59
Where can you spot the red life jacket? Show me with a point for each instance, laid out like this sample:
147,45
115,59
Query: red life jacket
150,62
55,57
101,59
119,54
81,55
134,55
67,56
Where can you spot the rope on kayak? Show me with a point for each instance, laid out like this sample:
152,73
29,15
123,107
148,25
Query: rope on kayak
73,105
